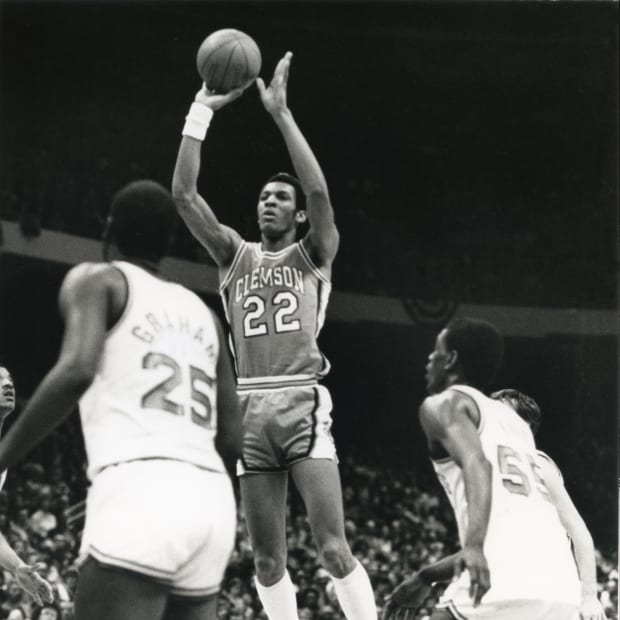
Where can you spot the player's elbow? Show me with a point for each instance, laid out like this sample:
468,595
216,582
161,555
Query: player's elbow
77,373
183,198
317,194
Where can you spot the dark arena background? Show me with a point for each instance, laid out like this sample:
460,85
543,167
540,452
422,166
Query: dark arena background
471,151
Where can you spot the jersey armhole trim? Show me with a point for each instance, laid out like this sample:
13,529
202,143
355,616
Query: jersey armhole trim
128,300
233,265
317,272
480,425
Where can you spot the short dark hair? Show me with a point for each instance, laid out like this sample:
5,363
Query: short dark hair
524,405
285,177
142,220
480,349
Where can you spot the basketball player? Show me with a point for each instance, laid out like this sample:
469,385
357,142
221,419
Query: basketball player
583,545
515,562
413,591
25,575
275,294
147,361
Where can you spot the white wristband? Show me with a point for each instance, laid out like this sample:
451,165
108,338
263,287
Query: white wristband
197,121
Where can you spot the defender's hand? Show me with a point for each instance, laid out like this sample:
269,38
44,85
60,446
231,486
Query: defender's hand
591,609
214,101
406,599
29,579
274,97
472,559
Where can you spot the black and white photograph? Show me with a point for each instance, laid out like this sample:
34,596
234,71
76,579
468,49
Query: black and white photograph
309,310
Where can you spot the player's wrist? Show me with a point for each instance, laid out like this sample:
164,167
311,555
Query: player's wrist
281,115
588,590
197,120
17,566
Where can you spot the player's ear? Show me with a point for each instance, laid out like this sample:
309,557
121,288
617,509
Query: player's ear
453,360
301,217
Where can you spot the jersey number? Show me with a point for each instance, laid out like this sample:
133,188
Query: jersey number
286,304
514,474
157,398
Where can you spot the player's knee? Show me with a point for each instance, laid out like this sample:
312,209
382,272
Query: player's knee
336,557
269,568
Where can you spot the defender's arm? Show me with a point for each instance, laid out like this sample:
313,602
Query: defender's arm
445,420
580,535
84,300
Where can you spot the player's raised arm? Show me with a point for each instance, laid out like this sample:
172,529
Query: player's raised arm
323,237
445,419
219,240
84,305
583,545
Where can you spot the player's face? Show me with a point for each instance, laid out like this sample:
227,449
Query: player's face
276,208
436,372
7,392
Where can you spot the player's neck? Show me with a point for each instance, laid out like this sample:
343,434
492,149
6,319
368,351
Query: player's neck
113,253
275,245
454,379
147,265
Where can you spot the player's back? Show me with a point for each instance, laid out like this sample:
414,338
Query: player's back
154,394
275,303
526,546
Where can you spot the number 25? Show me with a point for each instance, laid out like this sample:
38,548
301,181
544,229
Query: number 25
157,398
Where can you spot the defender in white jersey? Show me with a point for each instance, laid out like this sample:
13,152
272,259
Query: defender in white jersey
25,575
275,293
148,363
515,562
412,593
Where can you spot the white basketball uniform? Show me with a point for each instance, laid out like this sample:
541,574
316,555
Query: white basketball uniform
532,570
160,503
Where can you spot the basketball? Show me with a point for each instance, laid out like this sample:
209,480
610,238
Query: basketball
228,59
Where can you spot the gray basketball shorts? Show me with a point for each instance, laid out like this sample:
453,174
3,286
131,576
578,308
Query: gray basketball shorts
284,426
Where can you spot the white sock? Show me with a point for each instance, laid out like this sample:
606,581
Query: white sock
279,600
355,595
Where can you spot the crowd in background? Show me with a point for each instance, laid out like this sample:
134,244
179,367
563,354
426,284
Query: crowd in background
397,520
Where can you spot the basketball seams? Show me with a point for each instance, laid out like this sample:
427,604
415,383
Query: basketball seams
227,64
219,46
230,56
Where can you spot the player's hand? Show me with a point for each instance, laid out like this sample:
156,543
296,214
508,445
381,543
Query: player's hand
472,559
406,599
274,97
29,579
215,101
591,609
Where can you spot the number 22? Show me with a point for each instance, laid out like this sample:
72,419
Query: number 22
286,303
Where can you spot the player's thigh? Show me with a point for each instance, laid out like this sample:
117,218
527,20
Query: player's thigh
188,609
113,594
263,497
318,482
